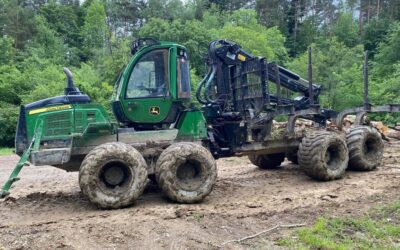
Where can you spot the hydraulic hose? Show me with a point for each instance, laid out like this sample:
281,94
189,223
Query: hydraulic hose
199,88
208,85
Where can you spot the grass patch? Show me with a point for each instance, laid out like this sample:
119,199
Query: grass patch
379,229
198,217
6,151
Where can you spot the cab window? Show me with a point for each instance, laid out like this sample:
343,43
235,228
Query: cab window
149,77
183,75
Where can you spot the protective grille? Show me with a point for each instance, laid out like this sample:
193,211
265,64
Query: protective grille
58,124
249,85
79,122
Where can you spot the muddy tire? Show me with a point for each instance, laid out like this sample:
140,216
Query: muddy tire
292,156
365,148
267,161
113,175
323,156
186,172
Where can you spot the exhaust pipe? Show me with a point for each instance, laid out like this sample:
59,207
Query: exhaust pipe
70,89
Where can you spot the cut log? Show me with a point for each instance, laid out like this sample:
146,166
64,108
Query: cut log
393,134
381,127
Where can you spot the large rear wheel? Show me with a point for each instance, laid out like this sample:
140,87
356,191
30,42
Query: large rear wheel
267,161
113,175
323,156
365,148
186,172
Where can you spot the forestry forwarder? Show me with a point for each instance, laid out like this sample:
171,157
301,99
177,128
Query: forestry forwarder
159,135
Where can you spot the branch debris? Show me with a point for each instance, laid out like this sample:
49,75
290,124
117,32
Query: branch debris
265,231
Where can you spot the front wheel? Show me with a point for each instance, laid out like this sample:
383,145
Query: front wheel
113,175
186,172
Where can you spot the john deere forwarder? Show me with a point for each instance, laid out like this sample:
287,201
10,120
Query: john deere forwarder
158,134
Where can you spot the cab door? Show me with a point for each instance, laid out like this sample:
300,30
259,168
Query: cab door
147,93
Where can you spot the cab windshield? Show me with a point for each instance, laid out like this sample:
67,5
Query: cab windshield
149,77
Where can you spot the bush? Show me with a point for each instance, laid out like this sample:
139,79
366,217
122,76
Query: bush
8,121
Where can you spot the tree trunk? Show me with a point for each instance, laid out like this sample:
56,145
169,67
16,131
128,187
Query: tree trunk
360,19
17,29
378,9
109,35
369,11
296,21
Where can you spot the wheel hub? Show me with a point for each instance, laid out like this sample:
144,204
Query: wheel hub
114,175
190,175
371,148
332,157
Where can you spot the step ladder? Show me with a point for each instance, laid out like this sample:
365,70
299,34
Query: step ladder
23,161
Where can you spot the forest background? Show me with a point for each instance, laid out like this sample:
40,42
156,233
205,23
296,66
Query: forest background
39,37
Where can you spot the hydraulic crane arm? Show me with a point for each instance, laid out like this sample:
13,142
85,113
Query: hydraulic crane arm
224,54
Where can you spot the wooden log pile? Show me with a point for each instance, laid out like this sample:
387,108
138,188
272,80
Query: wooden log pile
386,131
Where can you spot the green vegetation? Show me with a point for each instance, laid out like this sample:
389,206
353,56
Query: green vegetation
39,38
6,151
380,229
198,217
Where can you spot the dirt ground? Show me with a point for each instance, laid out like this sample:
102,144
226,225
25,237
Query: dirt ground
46,209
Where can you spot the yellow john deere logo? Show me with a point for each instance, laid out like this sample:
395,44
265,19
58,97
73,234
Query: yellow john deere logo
155,110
